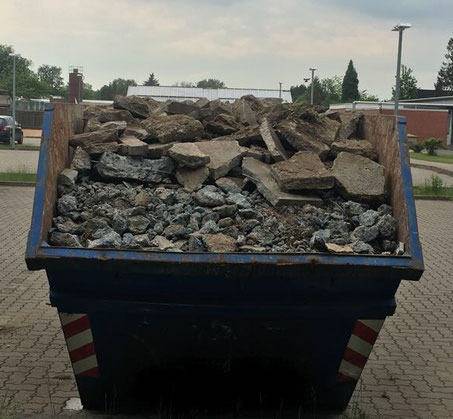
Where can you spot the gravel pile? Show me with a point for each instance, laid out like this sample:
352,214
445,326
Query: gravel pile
158,177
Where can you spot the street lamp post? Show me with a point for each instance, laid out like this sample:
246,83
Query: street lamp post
13,137
312,69
280,90
399,28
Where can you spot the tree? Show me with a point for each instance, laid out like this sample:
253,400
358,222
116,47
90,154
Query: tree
318,93
368,97
445,75
116,87
408,84
152,81
88,92
184,84
211,84
297,91
350,86
331,88
51,75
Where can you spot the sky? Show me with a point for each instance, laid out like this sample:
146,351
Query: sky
245,43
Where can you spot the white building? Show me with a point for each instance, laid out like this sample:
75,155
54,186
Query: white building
163,93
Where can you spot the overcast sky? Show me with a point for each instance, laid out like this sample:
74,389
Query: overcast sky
245,43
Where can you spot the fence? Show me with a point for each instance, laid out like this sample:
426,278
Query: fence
28,119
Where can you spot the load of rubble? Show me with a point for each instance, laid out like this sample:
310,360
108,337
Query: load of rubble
206,176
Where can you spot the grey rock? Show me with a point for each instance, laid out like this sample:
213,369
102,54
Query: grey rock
180,108
159,227
368,218
100,136
389,245
272,141
196,244
66,204
249,225
119,224
66,225
387,226
319,238
188,155
162,243
351,127
261,236
210,216
142,199
207,198
113,166
240,240
156,151
245,137
134,104
118,125
365,234
209,227
90,226
108,115
225,222
129,241
226,210
96,149
361,247
138,132
223,124
64,239
110,239
81,160
359,178
304,170
260,174
353,208
229,184
384,209
138,224
231,231
175,231
253,249
239,199
66,180
243,112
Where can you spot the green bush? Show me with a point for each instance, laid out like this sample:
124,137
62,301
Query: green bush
432,145
418,148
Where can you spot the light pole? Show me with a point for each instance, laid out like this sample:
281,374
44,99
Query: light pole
312,69
399,28
280,91
13,138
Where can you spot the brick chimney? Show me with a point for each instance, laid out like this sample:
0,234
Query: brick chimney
75,86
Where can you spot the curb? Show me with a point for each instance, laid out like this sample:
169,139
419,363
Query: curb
6,183
433,169
433,197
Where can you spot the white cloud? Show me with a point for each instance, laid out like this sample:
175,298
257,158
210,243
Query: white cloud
245,43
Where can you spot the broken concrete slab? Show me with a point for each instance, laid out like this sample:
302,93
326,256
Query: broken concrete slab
260,174
157,150
223,124
259,153
219,243
272,141
192,179
337,248
96,149
137,131
243,112
107,115
134,104
361,147
171,128
350,127
81,160
245,137
304,170
224,156
118,125
303,136
188,155
180,108
359,178
113,166
66,180
132,146
100,136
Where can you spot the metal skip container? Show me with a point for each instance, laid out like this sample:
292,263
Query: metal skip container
219,329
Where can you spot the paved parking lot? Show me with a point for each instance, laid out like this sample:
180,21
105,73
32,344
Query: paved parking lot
409,375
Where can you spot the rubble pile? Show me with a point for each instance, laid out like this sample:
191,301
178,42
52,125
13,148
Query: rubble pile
251,176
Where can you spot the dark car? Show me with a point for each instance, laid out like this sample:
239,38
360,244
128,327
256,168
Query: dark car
6,131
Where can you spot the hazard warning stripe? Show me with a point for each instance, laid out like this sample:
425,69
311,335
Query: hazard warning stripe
79,340
358,349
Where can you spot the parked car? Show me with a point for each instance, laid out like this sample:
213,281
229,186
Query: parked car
6,131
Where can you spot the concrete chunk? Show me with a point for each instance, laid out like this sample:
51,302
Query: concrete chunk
351,127
96,149
100,136
361,147
224,156
243,112
188,155
358,178
81,160
170,128
304,170
192,179
260,174
219,243
134,104
156,151
132,146
272,142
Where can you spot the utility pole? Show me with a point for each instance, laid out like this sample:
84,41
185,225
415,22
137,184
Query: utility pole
280,91
399,28
13,137
312,69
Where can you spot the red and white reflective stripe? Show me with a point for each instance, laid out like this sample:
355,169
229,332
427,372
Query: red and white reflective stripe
79,339
364,334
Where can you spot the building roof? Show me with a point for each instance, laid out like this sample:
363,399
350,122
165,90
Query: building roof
430,93
163,93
